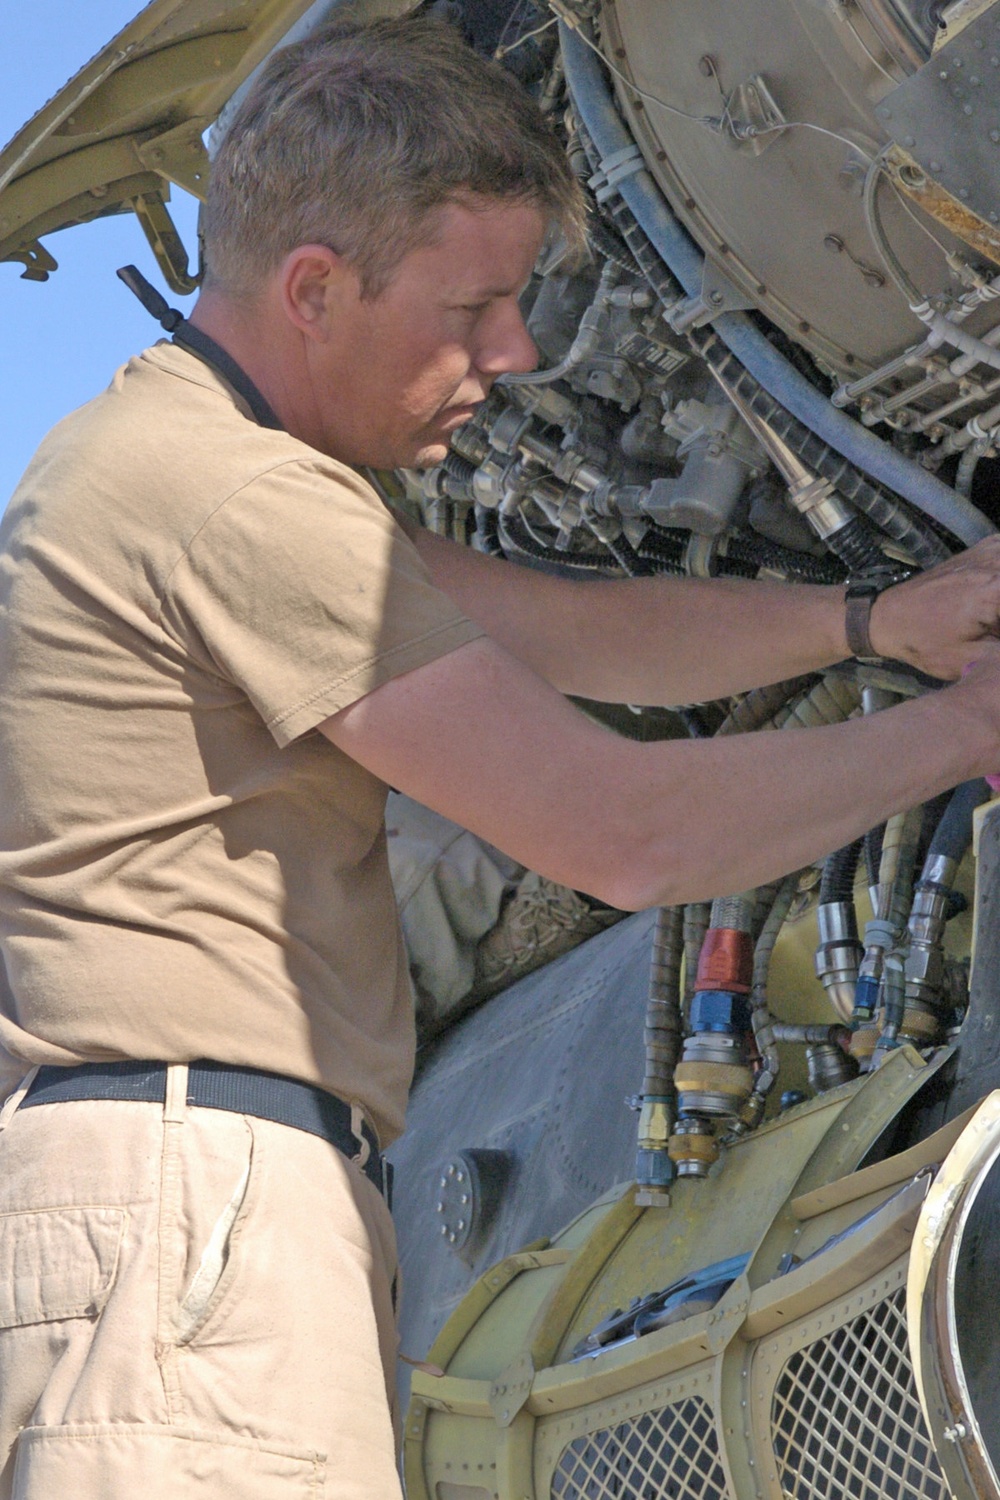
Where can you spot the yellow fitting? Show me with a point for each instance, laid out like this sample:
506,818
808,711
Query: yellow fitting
654,1125
723,1078
919,1023
693,1147
864,1042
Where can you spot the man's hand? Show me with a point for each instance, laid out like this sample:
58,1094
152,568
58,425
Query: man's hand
942,620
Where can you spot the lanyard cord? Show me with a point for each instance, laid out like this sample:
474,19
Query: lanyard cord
183,333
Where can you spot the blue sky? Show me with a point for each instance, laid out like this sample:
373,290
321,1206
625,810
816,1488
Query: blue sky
61,340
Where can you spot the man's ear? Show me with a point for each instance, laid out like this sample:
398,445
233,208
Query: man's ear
312,281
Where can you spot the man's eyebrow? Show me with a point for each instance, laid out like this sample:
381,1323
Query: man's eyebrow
485,294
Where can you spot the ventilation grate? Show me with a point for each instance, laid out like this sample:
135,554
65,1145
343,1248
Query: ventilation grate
846,1422
666,1455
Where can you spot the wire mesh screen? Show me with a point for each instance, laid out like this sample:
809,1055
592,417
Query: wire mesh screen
665,1455
846,1422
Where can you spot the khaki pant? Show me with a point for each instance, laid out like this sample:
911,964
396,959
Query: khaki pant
192,1302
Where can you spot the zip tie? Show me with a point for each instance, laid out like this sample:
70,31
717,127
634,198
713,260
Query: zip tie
614,169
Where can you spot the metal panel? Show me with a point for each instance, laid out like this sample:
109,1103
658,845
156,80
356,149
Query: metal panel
948,115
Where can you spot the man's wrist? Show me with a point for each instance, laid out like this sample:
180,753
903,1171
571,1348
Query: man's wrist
860,598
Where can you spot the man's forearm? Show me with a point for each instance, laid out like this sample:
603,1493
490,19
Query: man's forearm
651,640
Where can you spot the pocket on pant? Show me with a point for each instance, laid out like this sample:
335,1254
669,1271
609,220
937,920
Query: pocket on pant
98,1461
57,1263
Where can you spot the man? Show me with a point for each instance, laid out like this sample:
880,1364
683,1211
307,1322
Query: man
216,649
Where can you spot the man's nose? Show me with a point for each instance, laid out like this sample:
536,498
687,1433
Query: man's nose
507,347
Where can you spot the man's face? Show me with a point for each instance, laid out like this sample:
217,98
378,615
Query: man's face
402,370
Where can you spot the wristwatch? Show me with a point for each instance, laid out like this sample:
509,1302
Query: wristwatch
859,596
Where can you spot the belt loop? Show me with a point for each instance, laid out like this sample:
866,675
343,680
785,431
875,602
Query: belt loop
175,1098
364,1148
13,1101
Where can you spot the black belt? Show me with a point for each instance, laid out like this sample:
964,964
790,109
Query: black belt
212,1085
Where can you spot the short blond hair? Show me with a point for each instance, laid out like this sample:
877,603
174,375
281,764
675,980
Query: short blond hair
354,138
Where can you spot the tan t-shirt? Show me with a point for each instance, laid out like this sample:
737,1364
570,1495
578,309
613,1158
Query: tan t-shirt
187,867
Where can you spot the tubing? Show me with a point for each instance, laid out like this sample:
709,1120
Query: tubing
593,101
839,869
760,705
953,834
662,1039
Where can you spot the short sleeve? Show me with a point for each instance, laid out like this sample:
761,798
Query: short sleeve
307,595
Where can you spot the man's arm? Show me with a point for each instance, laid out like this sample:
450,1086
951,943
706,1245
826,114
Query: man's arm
478,736
672,640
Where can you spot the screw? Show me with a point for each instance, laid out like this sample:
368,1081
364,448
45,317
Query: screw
715,297
967,109
440,1207
451,1169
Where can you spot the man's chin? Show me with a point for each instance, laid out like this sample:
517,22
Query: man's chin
429,455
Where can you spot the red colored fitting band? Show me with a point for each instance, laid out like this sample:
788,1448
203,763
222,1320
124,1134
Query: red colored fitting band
726,961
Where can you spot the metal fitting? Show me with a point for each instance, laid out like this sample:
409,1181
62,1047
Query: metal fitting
817,500
828,1066
693,1148
713,1078
839,955
726,961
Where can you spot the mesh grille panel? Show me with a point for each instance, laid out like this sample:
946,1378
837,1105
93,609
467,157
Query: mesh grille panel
846,1420
666,1455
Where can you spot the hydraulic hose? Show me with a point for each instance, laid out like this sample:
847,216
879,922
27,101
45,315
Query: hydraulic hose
760,1016
832,700
597,111
653,1168
839,870
953,834
758,708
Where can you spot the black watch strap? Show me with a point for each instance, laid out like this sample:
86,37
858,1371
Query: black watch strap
859,597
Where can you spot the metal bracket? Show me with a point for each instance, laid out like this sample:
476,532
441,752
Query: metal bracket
37,261
718,295
511,1389
165,242
180,156
752,115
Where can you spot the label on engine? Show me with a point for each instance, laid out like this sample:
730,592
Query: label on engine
662,358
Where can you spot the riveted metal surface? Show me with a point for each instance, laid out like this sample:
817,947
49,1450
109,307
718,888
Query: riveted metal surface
948,115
